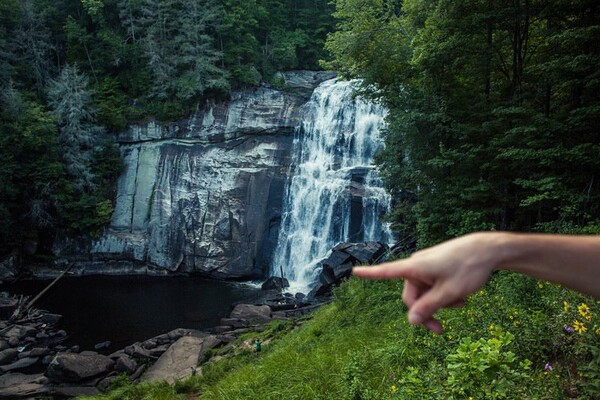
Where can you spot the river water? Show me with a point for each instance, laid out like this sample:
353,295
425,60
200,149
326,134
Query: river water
124,310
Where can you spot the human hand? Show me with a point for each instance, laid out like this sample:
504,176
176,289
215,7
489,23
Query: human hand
440,276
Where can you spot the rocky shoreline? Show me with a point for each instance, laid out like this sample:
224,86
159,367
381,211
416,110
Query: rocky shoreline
35,362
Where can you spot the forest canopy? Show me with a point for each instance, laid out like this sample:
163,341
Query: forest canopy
72,72
494,110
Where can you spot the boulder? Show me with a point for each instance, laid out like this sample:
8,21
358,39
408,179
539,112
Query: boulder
367,252
75,367
137,351
176,334
126,364
251,313
221,329
177,362
340,262
331,275
20,332
6,356
150,344
102,345
19,364
158,350
319,290
39,351
275,282
235,323
337,257
17,385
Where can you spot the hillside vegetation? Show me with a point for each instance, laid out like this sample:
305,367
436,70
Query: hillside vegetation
516,339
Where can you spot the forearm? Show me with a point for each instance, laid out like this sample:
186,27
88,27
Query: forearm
571,261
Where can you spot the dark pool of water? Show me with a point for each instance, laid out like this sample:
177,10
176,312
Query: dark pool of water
124,310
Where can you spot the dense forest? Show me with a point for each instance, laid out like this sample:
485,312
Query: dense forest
494,110
493,123
74,71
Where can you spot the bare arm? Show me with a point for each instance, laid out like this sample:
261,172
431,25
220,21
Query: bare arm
443,275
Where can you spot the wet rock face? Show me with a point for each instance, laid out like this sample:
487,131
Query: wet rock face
204,195
208,209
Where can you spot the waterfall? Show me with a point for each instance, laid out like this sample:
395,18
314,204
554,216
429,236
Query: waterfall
333,194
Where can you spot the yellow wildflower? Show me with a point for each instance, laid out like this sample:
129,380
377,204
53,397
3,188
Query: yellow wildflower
597,331
583,309
566,306
540,285
393,389
579,326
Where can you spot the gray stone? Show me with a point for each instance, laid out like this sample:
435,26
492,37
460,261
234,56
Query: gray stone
19,364
138,372
275,282
126,364
117,354
221,329
177,362
158,350
3,345
20,332
251,313
235,323
7,355
102,345
305,81
74,349
17,385
73,367
137,351
13,341
162,339
149,344
39,352
175,334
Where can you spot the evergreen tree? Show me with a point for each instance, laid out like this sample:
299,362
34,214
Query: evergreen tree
33,40
71,101
493,108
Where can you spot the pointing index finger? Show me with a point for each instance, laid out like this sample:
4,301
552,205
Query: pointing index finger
391,270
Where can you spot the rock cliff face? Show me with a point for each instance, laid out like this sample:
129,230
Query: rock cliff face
204,195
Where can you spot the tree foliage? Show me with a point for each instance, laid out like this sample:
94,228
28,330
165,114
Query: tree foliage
73,72
493,109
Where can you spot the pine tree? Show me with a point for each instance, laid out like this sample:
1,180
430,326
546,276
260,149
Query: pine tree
33,40
71,101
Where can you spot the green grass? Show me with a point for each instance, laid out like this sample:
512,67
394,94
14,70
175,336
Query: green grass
361,347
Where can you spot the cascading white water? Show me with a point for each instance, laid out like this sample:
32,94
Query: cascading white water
334,194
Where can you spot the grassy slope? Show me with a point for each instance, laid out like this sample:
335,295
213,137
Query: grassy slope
361,347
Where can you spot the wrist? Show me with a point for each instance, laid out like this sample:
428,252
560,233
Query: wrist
502,248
